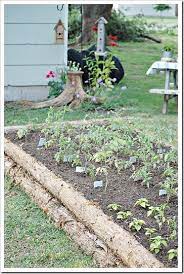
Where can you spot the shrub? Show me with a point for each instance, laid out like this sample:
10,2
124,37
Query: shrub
74,23
124,28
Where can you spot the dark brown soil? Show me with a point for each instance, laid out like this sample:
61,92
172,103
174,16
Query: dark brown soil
121,189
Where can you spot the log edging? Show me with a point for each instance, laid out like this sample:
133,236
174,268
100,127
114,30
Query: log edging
120,241
62,218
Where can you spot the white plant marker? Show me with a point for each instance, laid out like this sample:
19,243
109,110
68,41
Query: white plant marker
80,169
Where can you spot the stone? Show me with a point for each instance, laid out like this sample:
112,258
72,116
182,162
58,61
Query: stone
98,184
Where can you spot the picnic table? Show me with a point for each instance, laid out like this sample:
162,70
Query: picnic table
170,68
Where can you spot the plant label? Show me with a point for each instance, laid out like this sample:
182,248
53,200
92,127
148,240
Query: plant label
162,192
132,160
98,184
80,169
41,142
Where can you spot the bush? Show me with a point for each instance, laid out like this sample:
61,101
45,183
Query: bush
124,28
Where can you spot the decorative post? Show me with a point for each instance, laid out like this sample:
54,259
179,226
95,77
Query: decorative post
100,49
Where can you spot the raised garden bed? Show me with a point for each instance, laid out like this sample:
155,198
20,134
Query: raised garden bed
130,167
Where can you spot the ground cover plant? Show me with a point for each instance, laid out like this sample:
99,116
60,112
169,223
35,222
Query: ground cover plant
112,154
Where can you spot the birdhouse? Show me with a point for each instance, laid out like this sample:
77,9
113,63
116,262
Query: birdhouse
101,36
59,29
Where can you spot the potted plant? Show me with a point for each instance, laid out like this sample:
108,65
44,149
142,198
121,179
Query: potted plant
168,51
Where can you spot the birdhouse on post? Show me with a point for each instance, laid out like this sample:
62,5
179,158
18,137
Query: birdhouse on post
100,49
59,29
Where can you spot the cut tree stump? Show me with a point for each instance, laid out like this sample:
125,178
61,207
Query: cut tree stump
73,94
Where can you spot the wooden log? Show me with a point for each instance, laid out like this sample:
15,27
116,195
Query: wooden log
120,241
86,240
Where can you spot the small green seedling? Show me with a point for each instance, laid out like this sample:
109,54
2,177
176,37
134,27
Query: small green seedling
123,215
172,253
114,207
136,224
150,231
158,212
172,228
143,202
157,243
22,132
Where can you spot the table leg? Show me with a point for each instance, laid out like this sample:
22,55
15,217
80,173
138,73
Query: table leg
166,97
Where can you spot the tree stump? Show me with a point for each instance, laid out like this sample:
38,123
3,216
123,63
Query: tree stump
73,93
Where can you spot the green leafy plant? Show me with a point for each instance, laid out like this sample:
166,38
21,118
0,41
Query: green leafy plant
136,224
157,243
172,254
142,202
150,231
114,207
172,228
158,213
56,83
22,132
99,72
142,174
123,215
169,186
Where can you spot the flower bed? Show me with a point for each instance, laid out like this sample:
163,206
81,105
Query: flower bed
131,169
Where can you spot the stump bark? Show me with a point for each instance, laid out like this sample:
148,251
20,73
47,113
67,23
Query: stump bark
73,94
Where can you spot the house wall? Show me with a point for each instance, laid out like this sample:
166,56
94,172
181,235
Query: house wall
31,49
145,9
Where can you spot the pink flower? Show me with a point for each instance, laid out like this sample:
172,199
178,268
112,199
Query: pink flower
50,74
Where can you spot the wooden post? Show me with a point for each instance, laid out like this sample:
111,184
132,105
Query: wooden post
166,96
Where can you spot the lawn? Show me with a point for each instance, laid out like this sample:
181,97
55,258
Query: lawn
32,240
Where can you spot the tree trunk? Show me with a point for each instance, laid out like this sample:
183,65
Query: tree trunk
91,13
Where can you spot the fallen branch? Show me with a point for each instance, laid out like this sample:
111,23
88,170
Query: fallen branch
151,38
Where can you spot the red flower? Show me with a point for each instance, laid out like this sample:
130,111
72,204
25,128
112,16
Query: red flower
113,44
94,28
113,37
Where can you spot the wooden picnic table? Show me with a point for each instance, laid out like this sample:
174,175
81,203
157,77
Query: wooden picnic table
169,68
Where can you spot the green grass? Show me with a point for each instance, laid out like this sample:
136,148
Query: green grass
32,240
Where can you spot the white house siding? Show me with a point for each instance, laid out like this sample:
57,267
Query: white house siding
31,50
145,9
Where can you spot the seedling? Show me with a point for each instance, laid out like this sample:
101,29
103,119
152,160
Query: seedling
172,253
22,132
114,207
143,175
142,202
123,215
172,228
136,224
158,213
168,186
157,243
150,231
